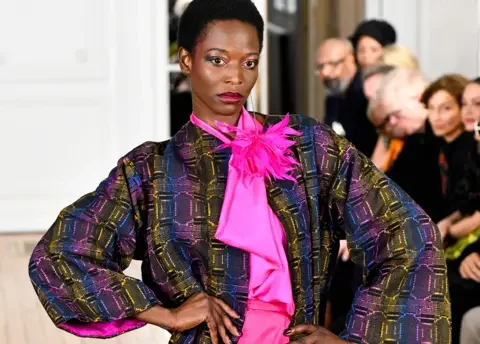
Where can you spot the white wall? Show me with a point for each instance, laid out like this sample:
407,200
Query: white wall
444,34
81,83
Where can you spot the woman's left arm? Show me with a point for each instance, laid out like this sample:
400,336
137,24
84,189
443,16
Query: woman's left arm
404,297
465,226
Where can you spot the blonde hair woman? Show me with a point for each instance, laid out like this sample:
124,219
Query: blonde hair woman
399,56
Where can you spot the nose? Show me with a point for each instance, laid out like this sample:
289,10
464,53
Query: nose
234,75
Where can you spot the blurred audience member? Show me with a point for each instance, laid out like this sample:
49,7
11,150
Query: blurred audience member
397,113
369,39
372,76
385,147
459,168
443,99
471,104
394,56
346,105
399,56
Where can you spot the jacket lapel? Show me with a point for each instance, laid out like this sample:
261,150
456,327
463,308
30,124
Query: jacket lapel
228,267
289,202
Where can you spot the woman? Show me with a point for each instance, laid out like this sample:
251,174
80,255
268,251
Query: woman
369,39
443,100
460,182
398,56
238,235
471,104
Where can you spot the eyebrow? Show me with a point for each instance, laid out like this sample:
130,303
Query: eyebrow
448,102
226,52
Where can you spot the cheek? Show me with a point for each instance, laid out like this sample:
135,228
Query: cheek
250,78
203,77
455,117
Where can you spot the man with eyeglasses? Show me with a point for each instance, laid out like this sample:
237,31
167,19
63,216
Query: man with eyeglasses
346,113
397,113
346,104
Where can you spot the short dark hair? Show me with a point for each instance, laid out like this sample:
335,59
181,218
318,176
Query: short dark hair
200,13
454,84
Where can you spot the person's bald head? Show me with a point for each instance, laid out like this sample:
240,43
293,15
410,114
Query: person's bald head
336,64
334,48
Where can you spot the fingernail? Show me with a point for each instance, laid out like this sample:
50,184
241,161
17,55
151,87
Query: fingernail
287,332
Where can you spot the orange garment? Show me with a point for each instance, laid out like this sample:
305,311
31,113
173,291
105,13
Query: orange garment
394,148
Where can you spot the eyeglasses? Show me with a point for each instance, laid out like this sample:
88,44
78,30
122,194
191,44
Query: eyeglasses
386,120
331,64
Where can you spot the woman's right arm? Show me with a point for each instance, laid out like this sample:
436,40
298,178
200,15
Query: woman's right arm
76,268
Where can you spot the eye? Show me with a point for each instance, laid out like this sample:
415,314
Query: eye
251,64
216,61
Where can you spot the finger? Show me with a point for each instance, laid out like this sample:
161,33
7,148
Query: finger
475,272
225,319
345,255
213,328
226,308
462,271
300,341
468,271
303,328
476,260
221,327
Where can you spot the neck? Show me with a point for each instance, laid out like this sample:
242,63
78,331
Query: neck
208,116
450,137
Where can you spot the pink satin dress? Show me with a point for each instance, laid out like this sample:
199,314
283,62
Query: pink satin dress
248,223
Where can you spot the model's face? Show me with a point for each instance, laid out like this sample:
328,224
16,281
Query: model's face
471,106
368,51
444,115
223,67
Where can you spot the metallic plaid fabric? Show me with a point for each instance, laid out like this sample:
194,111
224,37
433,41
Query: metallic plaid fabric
162,204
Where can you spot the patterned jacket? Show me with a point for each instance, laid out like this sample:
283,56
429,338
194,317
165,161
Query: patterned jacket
161,204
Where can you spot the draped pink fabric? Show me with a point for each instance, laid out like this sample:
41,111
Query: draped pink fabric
247,221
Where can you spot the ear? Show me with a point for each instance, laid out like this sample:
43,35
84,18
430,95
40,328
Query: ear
185,61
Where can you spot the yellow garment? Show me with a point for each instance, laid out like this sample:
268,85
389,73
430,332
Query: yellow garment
455,251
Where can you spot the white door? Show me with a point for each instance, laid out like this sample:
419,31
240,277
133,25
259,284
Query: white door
82,82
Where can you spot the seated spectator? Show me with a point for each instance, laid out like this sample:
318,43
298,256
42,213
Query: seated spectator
397,113
459,180
369,39
471,104
399,56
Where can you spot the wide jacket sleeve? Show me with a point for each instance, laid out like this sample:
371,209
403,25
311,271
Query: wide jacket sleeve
404,297
76,268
